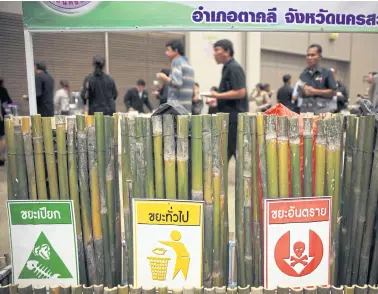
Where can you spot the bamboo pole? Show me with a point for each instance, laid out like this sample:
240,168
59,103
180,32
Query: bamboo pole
295,158
29,157
256,227
365,183
62,157
110,202
196,144
307,155
79,161
50,158
216,170
182,156
208,197
239,205
157,129
13,188
140,156
150,193
283,156
22,179
320,159
96,202
262,153
133,162
271,150
247,199
169,156
74,195
100,143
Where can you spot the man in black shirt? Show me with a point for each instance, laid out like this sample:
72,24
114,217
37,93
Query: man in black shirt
341,93
136,97
285,93
232,93
44,90
319,84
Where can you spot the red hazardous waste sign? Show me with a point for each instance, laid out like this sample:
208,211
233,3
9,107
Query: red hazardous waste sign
297,241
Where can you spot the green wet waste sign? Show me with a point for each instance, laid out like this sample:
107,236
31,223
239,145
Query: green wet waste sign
43,242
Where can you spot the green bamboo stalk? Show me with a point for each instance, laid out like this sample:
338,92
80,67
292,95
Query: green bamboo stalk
157,130
262,153
365,183
62,157
283,156
149,158
208,197
29,157
169,156
21,164
295,158
95,200
320,159
182,156
347,207
74,193
101,145
140,156
110,202
372,204
247,182
196,148
271,150
239,205
11,158
307,156
50,158
256,227
78,161
133,162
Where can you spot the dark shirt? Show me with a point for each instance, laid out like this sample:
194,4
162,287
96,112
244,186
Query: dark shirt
319,78
4,98
342,101
44,88
133,100
284,95
233,78
163,94
101,93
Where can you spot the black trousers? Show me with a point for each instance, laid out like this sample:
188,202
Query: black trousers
232,138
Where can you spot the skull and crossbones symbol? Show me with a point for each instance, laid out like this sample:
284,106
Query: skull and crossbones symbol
299,248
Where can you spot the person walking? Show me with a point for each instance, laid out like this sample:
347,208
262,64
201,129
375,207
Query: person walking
319,85
100,90
44,90
232,95
4,99
285,94
62,99
181,80
137,97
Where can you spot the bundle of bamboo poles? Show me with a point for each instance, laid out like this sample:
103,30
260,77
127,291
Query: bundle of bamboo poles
281,157
175,157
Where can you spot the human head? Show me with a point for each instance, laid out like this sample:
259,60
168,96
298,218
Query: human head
286,79
314,55
223,51
259,87
40,66
140,85
166,71
267,87
174,49
196,88
64,84
370,76
98,63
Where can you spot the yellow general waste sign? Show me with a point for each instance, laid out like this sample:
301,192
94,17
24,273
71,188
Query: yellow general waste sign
168,241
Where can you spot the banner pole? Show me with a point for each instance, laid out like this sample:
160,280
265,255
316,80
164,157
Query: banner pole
30,72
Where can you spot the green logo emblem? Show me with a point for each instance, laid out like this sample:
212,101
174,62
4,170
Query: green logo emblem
44,262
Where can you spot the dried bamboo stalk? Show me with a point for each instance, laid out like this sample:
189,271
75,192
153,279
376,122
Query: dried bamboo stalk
283,156
157,129
182,156
150,191
29,157
196,141
141,164
295,158
271,150
11,159
62,157
320,159
307,156
169,157
22,179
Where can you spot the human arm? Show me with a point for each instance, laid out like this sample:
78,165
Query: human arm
238,87
84,90
114,91
147,102
330,84
127,100
38,87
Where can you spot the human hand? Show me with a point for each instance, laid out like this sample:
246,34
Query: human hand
212,102
155,92
308,90
162,76
131,109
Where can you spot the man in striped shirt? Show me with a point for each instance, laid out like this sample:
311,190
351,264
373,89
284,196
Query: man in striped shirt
181,80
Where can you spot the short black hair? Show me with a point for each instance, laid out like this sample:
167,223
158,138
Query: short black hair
286,78
141,82
41,65
318,47
226,45
196,84
260,86
176,45
373,73
64,83
166,71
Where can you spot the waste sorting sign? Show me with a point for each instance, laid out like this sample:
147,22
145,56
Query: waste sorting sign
168,240
297,242
43,242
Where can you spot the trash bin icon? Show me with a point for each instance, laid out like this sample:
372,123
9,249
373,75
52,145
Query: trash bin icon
159,264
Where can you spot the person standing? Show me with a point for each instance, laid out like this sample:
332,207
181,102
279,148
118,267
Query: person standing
162,93
44,90
213,106
136,97
4,99
285,94
341,93
319,84
181,80
100,90
62,99
372,79
197,103
232,95
260,100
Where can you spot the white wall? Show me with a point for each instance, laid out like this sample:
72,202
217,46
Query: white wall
11,6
